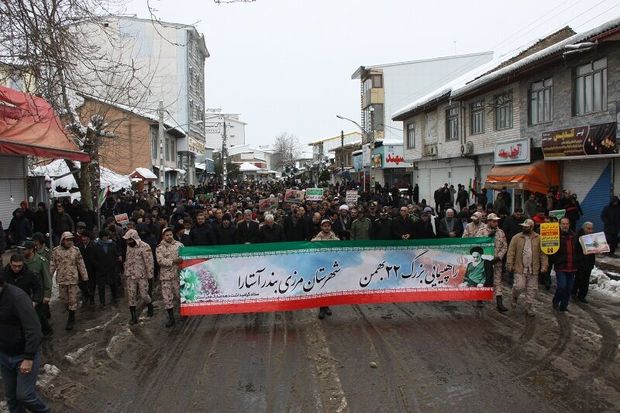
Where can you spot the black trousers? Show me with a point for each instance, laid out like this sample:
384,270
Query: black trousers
612,240
582,283
43,311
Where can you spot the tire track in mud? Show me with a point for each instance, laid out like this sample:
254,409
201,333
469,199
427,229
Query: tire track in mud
170,366
405,397
557,349
607,353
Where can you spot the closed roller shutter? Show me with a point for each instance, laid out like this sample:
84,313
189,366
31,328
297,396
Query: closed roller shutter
423,179
12,182
591,181
461,175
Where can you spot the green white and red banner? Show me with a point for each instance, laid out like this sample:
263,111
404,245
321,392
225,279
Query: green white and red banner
297,275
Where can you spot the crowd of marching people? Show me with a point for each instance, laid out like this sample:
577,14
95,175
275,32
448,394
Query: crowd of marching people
134,251
127,256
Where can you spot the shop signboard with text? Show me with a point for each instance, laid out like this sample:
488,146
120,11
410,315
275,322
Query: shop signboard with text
581,141
513,152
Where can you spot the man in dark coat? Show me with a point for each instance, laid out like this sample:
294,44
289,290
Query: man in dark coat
107,258
565,263
449,226
271,231
425,227
17,274
20,349
585,265
226,234
247,230
611,220
381,227
402,225
295,225
20,227
202,233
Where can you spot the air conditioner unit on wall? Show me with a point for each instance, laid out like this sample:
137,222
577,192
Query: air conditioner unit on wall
467,148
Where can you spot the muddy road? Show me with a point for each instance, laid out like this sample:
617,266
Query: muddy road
437,357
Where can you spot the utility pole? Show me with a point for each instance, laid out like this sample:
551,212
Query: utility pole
224,154
160,134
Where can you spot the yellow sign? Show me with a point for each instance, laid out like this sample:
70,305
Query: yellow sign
550,237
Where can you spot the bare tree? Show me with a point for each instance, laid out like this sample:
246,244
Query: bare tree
61,45
286,149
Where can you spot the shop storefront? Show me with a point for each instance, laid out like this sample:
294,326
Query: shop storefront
587,157
389,167
511,170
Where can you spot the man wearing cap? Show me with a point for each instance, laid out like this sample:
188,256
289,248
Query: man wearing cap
40,268
475,226
326,234
139,269
500,247
167,253
69,267
526,260
20,354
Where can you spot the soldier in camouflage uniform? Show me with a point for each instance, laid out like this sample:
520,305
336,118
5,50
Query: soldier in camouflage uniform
168,259
326,234
501,247
139,269
69,267
39,266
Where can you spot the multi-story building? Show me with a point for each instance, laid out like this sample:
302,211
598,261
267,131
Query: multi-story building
336,152
218,124
388,87
544,119
169,59
136,142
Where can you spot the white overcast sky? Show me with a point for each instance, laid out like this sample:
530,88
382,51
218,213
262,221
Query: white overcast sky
286,65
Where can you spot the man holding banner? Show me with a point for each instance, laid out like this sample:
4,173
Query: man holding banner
326,234
168,259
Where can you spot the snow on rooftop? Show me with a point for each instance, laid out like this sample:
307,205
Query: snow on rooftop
553,49
476,77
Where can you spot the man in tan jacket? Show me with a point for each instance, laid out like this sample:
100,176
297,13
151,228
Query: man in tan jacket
526,260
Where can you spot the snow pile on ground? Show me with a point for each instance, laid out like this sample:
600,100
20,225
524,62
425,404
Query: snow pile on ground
600,281
46,374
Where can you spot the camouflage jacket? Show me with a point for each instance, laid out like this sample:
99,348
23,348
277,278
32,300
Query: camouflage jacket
472,229
501,244
329,237
68,265
166,253
139,262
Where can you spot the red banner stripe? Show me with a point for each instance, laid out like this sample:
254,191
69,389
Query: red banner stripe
249,306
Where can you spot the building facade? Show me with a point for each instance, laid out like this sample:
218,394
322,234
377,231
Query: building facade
169,59
215,130
545,120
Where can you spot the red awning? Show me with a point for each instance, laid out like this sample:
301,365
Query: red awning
29,126
538,176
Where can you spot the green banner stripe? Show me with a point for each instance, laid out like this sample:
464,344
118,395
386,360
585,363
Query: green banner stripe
288,247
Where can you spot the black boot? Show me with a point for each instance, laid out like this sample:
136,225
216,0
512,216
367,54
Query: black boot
101,296
170,322
322,312
149,310
134,315
70,321
500,304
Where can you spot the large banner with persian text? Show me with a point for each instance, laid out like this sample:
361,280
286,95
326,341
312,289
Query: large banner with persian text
296,275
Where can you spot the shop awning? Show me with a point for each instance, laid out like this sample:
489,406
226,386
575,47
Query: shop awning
29,126
538,176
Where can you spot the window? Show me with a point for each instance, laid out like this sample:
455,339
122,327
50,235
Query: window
541,102
503,111
377,81
452,124
154,142
591,87
410,135
476,120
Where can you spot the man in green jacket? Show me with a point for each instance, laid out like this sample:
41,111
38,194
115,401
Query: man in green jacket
360,228
39,266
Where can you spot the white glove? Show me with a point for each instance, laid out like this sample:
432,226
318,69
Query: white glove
480,285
